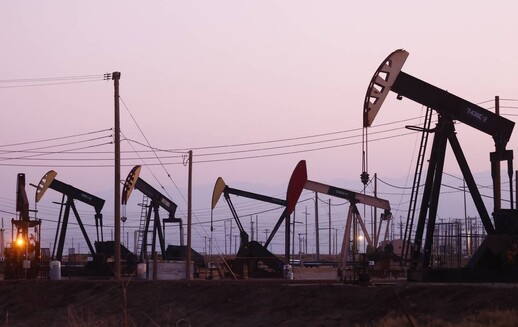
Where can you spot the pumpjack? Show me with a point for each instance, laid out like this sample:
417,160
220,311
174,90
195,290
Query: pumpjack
495,258
101,251
158,200
253,255
71,194
22,259
353,217
348,258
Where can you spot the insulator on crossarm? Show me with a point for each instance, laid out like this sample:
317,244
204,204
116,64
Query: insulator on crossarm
364,177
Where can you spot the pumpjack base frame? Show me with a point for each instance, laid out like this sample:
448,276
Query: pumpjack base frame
496,261
463,275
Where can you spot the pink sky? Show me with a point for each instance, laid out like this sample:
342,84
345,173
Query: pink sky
211,73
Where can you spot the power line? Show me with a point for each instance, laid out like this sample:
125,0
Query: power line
56,138
163,164
33,158
154,150
279,146
301,151
49,81
49,84
46,79
293,138
51,146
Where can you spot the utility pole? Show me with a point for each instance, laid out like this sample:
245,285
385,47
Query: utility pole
189,219
375,227
257,228
317,241
225,234
329,204
401,227
306,242
210,248
266,234
230,247
300,243
252,228
117,192
336,241
497,179
293,239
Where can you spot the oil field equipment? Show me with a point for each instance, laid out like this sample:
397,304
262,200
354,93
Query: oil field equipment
495,258
353,219
22,258
251,254
71,193
348,258
158,200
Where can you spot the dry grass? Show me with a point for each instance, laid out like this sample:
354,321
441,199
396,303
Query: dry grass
493,318
254,303
79,318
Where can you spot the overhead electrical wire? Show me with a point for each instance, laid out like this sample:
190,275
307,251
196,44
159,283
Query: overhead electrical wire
52,146
154,150
160,163
281,146
293,138
46,79
149,144
158,158
49,81
56,138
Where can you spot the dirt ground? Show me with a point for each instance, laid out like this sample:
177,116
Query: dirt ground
240,302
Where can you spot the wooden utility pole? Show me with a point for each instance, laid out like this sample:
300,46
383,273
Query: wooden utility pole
252,227
329,202
293,237
225,234
189,219
497,192
317,241
230,238
117,182
376,227
306,242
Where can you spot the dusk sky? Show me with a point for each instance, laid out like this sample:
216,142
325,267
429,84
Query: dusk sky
252,87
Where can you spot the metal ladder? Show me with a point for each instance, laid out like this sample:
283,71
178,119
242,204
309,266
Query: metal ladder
142,226
425,130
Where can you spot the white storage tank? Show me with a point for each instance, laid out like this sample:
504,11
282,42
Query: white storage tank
141,270
55,270
169,270
288,272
